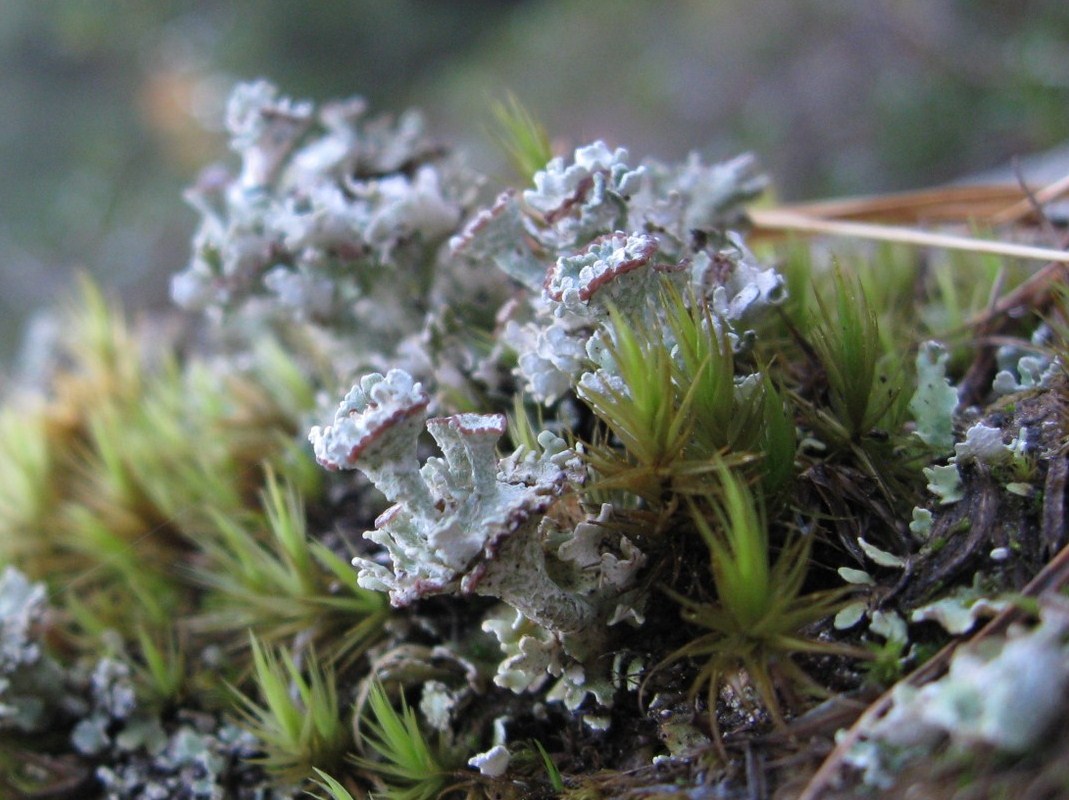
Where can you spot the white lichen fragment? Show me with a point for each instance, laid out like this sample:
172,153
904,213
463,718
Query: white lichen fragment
945,483
738,286
263,127
921,524
889,625
596,172
532,654
598,276
493,763
597,722
551,357
881,557
850,615
1005,694
1021,369
934,401
999,554
596,566
576,683
982,444
114,700
22,604
959,612
499,235
436,704
376,425
31,683
856,576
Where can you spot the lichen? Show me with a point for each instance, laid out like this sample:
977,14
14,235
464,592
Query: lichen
945,483
328,216
464,522
493,763
1021,369
201,759
596,233
999,695
983,444
470,523
935,399
31,682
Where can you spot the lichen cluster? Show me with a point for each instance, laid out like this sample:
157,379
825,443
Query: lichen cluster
611,495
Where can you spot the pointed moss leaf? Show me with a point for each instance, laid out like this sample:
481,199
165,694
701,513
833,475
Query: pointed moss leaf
521,136
334,787
934,401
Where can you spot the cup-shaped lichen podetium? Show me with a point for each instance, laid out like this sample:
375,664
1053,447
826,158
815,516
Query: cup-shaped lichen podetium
377,426
464,522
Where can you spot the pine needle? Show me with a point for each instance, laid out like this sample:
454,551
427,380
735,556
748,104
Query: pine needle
775,219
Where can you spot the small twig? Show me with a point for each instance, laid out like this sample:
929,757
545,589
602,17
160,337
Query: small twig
1053,523
1024,295
1033,201
1022,208
756,785
1027,295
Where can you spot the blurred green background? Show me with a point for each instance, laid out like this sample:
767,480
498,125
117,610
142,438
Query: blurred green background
108,109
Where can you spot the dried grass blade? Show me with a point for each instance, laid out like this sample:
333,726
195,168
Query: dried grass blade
786,220
940,204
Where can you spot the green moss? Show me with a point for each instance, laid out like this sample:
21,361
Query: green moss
756,622
295,716
963,525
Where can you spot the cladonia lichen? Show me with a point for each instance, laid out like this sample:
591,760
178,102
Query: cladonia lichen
598,234
998,695
470,523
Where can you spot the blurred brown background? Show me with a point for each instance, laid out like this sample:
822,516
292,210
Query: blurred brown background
108,109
